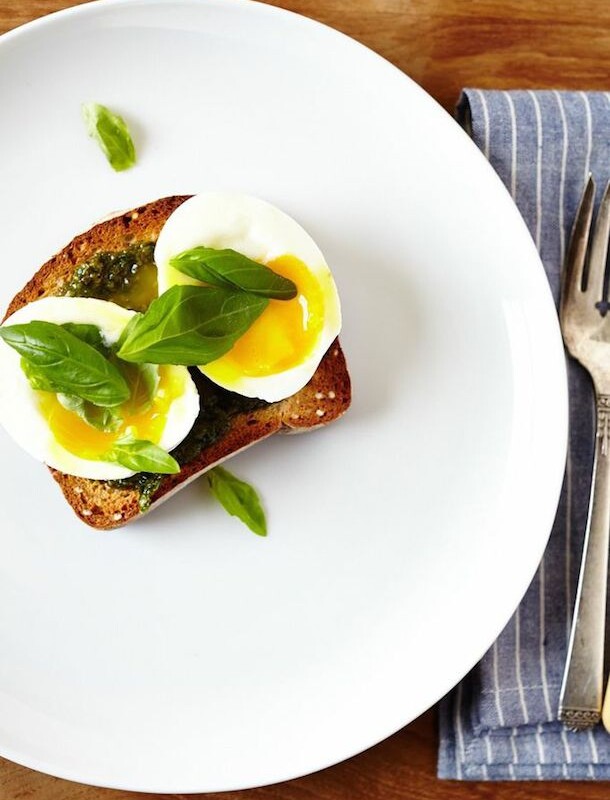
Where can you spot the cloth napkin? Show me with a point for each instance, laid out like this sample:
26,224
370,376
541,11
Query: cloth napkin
500,722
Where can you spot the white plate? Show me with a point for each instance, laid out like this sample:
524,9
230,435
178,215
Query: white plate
183,653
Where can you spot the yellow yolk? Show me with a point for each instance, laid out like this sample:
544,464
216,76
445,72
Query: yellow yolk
85,441
284,335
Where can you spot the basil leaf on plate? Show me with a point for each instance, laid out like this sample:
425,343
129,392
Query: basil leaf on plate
238,498
142,456
58,361
232,269
104,419
112,134
191,325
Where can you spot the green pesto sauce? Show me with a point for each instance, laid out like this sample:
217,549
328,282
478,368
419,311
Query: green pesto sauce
146,483
129,278
126,277
217,407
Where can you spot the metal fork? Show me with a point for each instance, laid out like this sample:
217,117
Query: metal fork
586,333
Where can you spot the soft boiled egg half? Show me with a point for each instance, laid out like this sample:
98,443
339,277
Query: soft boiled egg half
59,437
280,352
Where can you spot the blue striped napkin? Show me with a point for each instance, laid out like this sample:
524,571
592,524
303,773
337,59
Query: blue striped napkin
500,722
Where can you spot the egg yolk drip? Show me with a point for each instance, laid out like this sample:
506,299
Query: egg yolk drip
284,335
141,422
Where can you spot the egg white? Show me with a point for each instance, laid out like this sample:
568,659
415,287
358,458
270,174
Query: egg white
262,232
20,412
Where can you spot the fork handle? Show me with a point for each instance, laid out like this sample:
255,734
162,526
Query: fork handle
580,700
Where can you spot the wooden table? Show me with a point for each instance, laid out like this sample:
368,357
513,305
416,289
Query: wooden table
443,45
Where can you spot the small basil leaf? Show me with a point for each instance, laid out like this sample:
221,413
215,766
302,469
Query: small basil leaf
86,333
72,403
112,134
232,269
142,456
191,325
103,419
66,364
143,380
238,498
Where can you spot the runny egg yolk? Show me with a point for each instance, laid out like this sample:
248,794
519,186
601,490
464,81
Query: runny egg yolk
284,335
141,422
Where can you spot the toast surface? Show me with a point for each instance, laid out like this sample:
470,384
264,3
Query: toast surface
104,505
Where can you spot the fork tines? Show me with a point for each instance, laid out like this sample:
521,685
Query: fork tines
586,275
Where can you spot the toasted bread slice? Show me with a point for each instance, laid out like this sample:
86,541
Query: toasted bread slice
104,505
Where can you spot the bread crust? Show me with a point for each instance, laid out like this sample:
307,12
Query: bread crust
103,506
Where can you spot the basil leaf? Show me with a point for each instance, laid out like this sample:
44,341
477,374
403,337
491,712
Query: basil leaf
191,325
112,134
142,456
143,380
86,333
64,363
104,419
238,498
37,381
126,332
232,269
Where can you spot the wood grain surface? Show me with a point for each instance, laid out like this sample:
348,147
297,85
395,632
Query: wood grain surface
443,45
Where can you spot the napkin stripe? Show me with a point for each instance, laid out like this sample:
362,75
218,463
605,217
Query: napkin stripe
538,169
520,686
541,144
513,146
585,100
539,745
541,651
488,750
562,181
461,751
485,124
497,696
566,747
513,191
513,745
594,752
542,571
